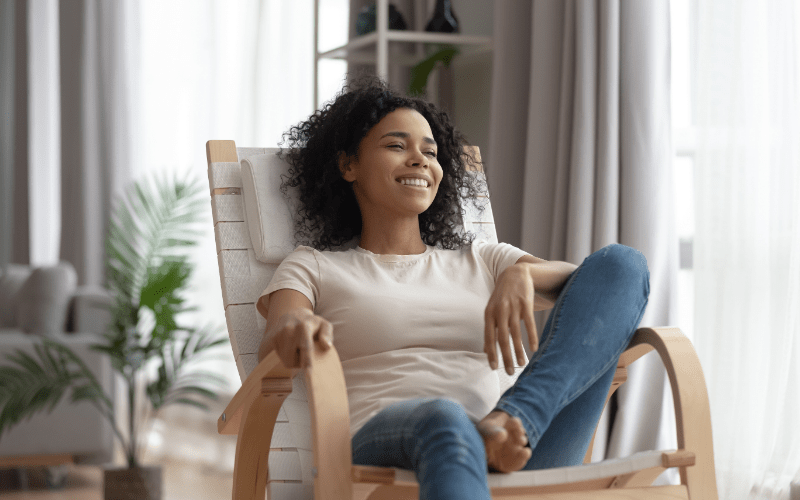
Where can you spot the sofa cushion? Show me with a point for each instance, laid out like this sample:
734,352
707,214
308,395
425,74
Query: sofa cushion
11,280
42,304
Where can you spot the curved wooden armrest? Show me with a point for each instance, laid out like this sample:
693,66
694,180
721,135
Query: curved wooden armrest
253,411
692,412
270,367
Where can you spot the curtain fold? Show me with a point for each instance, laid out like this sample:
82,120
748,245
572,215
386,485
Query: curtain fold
98,41
747,242
580,152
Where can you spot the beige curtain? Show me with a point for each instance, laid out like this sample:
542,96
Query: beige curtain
98,68
76,62
579,157
14,213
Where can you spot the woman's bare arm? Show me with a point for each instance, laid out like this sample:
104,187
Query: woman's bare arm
549,278
292,328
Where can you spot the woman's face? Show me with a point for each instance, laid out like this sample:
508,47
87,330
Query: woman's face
398,149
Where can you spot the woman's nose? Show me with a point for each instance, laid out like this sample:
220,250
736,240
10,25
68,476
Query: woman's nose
418,158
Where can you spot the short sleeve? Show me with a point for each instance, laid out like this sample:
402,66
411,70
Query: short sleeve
498,256
298,271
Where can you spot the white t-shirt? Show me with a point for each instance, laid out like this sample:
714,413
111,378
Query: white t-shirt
405,326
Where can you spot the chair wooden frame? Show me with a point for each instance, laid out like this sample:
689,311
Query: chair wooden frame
253,411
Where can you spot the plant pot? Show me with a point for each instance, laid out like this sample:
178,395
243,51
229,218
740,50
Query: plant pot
138,483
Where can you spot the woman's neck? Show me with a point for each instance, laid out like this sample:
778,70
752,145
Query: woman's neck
402,238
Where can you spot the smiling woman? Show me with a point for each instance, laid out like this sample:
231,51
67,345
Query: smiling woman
415,308
346,150
395,177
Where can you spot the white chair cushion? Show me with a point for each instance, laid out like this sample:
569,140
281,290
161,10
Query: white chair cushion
267,213
607,468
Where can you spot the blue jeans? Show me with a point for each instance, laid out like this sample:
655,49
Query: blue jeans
558,396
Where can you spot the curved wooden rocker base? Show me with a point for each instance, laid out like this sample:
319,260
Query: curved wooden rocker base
253,410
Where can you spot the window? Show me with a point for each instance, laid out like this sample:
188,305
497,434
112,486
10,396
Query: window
683,41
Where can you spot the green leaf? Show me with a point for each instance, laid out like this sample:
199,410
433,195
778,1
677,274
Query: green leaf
421,72
192,402
32,384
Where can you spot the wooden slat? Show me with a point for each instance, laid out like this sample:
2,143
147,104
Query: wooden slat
234,263
241,317
231,236
224,175
221,150
241,289
245,341
227,208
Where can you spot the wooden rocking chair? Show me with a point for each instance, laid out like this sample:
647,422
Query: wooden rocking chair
294,432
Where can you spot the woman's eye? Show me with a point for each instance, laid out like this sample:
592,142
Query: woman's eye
400,146
432,153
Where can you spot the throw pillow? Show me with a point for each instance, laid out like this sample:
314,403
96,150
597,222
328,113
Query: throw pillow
43,301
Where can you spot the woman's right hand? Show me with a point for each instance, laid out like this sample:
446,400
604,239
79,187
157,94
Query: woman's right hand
294,336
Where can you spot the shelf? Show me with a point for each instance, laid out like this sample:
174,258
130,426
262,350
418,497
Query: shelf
350,50
373,48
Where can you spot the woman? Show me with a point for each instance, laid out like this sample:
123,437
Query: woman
416,310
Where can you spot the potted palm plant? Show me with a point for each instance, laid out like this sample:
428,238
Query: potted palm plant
147,272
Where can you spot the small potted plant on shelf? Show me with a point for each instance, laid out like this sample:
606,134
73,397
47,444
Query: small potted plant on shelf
147,271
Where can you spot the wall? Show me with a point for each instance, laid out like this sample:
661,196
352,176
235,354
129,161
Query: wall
472,74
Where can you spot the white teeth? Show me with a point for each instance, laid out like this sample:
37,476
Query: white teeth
414,182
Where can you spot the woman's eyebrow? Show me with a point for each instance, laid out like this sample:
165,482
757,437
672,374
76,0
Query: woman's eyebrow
406,135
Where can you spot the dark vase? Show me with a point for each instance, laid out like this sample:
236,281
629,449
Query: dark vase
138,483
443,20
365,21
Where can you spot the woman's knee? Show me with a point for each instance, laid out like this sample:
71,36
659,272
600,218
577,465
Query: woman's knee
443,428
441,414
625,264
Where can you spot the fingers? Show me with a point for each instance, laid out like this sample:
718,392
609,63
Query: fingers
516,336
294,343
499,329
489,339
505,347
317,331
530,325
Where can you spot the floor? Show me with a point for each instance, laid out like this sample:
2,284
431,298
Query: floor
197,464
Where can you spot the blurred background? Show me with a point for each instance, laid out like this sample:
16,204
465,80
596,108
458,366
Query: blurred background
670,126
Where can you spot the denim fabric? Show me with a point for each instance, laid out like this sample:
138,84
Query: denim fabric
558,396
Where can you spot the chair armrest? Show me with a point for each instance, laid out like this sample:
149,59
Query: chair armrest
252,416
689,393
270,367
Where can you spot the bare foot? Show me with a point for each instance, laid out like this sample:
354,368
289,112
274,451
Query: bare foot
505,440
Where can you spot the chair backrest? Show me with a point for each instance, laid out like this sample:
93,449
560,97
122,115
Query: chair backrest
254,232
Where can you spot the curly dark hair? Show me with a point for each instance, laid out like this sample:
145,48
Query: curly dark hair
329,215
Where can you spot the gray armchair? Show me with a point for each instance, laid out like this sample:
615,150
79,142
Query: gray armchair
46,302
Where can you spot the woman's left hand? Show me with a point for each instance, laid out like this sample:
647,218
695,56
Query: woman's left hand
511,301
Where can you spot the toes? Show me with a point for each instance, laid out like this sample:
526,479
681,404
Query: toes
517,431
496,436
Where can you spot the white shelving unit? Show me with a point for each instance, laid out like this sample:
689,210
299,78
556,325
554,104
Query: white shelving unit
373,48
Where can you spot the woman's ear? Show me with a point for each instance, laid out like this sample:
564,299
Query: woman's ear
344,167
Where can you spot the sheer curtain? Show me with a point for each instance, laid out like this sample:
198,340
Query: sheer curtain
747,244
217,69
